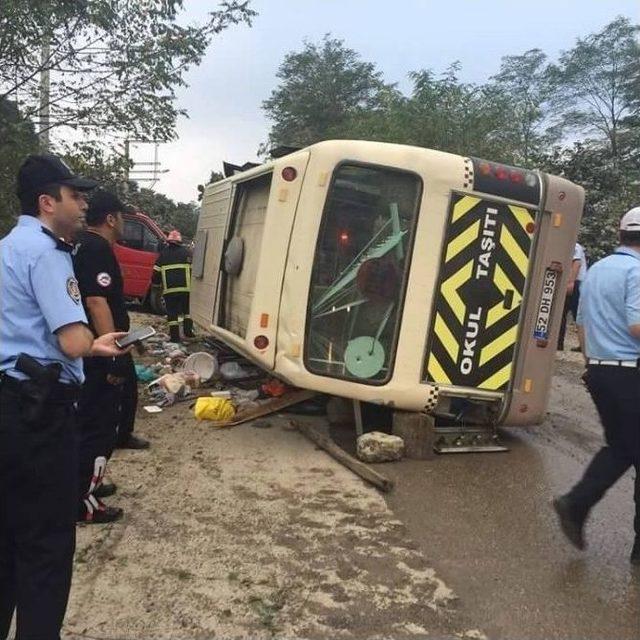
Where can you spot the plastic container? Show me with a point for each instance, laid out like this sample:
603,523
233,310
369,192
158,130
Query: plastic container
202,363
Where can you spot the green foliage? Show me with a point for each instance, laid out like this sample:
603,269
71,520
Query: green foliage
523,87
595,83
520,116
169,215
322,88
17,139
93,161
114,65
215,176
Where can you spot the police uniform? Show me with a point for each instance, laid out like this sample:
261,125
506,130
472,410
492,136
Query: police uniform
173,272
99,275
609,305
38,295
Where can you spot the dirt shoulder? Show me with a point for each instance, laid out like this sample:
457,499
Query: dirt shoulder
250,532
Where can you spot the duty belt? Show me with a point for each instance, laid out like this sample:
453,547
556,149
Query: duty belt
61,393
631,364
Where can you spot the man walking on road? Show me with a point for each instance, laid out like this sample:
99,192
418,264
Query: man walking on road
609,330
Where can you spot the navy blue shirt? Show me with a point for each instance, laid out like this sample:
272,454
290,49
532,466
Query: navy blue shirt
609,304
39,294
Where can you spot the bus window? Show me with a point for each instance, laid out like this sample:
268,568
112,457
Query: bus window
360,270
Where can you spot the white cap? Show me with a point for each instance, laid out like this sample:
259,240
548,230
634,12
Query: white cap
631,220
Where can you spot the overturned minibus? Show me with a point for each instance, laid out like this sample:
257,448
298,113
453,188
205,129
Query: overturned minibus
391,274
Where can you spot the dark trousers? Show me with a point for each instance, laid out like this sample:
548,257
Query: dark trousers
177,304
98,418
570,305
616,394
128,402
38,502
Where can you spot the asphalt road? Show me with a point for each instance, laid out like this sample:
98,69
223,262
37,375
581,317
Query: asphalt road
485,523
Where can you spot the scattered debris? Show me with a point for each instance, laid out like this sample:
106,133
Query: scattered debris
144,374
203,364
376,446
234,371
218,410
152,408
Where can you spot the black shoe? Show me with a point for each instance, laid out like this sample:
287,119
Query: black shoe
635,553
576,350
571,525
103,515
105,490
133,442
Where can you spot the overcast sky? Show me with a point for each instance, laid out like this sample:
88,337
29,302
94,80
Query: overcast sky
225,93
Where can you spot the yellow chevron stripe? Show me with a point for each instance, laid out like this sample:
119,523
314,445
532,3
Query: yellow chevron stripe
462,241
523,216
498,345
498,379
510,245
450,288
436,371
464,205
447,338
502,281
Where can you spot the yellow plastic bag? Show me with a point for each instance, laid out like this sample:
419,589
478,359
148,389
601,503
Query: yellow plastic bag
218,409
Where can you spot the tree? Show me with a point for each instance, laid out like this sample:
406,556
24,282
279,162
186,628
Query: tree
17,138
114,64
593,83
215,176
108,169
523,84
611,188
182,216
447,114
321,89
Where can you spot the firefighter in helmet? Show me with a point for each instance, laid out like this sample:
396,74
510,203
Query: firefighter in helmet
172,272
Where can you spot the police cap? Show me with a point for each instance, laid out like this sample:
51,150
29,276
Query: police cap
41,170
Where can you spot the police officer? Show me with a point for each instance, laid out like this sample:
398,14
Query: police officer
43,336
172,272
101,287
609,331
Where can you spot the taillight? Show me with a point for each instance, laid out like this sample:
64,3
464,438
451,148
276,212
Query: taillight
289,174
261,342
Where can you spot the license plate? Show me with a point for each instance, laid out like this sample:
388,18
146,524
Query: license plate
541,331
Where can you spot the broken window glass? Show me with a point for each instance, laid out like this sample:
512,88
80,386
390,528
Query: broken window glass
360,271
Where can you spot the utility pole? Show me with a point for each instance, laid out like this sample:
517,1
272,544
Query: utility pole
45,90
125,186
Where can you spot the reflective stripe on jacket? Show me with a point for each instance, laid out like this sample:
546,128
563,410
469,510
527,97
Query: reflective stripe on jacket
173,270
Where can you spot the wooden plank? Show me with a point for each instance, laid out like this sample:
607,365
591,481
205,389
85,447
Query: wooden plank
359,468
